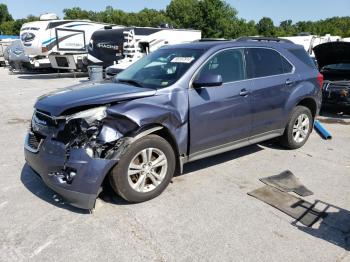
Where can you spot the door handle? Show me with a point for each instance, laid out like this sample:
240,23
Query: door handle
244,92
289,82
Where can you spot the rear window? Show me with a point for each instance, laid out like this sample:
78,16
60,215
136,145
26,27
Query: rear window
267,62
303,56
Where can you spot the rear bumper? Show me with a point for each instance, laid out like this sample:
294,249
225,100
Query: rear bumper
50,163
68,61
40,63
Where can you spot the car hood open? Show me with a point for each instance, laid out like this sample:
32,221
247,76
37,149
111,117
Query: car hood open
89,94
332,53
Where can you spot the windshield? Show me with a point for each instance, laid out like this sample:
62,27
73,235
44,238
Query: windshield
161,68
338,67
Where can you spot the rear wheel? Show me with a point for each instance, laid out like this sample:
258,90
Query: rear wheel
298,128
145,170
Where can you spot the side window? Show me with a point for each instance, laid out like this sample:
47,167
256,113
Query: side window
266,62
229,64
287,67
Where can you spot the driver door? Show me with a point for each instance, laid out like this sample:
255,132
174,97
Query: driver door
221,116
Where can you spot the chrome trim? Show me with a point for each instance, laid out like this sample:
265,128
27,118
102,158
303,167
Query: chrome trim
232,145
28,147
54,118
245,64
145,133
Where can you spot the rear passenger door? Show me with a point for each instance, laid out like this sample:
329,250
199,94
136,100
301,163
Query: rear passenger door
273,82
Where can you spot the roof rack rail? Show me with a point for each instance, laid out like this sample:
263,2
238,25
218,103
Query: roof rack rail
266,39
212,39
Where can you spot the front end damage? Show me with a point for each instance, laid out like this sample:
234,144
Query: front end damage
336,93
74,153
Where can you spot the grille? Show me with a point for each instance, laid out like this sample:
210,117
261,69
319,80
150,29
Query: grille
34,141
62,62
336,85
47,120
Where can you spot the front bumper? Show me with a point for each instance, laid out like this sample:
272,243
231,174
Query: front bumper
336,93
51,162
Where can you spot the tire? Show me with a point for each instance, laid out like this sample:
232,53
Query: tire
137,180
290,138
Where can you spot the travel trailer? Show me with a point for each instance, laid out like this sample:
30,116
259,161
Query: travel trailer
310,41
117,48
56,43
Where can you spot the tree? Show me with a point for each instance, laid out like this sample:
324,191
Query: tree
266,27
4,14
183,13
286,28
13,27
217,19
77,13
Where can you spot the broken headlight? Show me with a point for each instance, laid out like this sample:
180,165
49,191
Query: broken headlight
82,127
87,130
90,115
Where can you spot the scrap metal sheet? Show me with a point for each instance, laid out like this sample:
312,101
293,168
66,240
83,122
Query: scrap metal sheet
287,182
295,207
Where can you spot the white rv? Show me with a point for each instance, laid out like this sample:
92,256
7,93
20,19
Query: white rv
56,43
310,41
117,48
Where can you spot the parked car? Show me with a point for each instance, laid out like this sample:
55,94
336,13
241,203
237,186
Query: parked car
176,105
334,63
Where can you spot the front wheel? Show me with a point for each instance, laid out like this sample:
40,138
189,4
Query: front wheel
298,128
145,170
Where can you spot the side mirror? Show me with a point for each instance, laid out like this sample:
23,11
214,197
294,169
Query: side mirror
207,80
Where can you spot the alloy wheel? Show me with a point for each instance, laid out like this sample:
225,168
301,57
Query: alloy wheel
301,128
147,170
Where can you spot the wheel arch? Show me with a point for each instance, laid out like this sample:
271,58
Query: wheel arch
155,129
310,103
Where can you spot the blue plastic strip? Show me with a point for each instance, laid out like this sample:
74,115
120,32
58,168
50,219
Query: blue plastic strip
9,37
48,41
322,130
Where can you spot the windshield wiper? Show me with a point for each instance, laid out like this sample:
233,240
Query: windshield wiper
130,81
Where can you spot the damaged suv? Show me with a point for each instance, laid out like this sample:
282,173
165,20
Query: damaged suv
176,105
333,59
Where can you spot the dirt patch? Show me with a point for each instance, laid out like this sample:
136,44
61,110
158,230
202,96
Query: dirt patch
16,121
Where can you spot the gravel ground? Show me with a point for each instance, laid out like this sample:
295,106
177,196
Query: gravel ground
204,215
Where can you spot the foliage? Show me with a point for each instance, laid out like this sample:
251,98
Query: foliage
13,27
4,14
266,27
215,18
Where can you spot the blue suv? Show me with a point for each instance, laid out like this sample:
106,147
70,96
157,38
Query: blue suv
176,105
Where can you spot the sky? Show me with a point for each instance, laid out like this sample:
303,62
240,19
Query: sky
278,10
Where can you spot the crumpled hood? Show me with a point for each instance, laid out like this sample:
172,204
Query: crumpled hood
332,53
89,94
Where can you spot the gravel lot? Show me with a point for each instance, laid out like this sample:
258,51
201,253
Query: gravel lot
204,215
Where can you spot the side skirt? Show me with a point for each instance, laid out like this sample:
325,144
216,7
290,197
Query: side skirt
229,146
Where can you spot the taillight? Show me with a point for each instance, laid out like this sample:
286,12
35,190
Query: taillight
320,79
44,49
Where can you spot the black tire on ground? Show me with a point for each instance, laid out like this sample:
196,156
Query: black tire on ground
119,174
287,139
